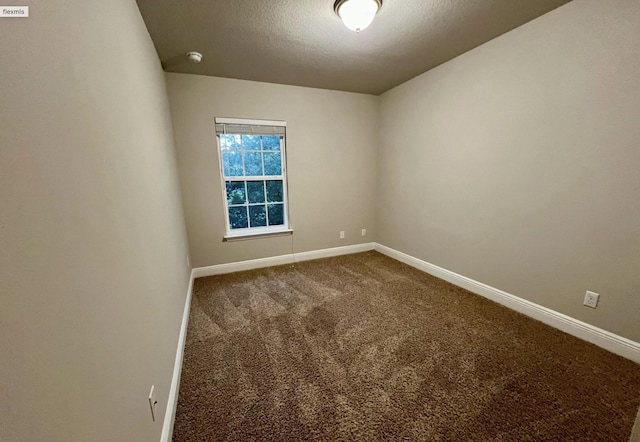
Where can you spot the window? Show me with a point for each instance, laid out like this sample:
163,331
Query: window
254,176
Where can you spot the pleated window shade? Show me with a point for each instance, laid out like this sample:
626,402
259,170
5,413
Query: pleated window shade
250,127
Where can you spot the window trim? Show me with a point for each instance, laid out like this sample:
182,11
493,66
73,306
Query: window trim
253,235
255,232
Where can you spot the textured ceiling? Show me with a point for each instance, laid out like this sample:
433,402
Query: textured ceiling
302,42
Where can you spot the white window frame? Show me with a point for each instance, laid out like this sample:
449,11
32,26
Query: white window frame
251,232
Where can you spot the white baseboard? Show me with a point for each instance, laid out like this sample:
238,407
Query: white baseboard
602,338
172,401
279,260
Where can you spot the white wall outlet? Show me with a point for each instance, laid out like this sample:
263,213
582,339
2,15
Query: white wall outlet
341,234
591,299
188,261
153,402
364,232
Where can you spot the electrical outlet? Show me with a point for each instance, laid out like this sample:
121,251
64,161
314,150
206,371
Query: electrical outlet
153,402
188,261
341,234
364,232
591,299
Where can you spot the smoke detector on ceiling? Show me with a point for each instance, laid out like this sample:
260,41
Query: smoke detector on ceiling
195,57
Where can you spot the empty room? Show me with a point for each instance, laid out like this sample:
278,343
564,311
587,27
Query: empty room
247,220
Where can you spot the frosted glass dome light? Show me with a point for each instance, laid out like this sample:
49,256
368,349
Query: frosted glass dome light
357,14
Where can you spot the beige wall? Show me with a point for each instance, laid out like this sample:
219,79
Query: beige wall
518,164
331,150
93,272
635,432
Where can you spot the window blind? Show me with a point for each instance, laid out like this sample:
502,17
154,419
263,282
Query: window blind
250,127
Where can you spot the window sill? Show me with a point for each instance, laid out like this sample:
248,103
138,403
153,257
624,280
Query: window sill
256,235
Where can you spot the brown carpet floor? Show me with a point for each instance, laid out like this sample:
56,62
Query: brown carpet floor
362,347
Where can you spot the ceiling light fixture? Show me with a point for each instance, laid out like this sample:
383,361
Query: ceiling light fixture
357,14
